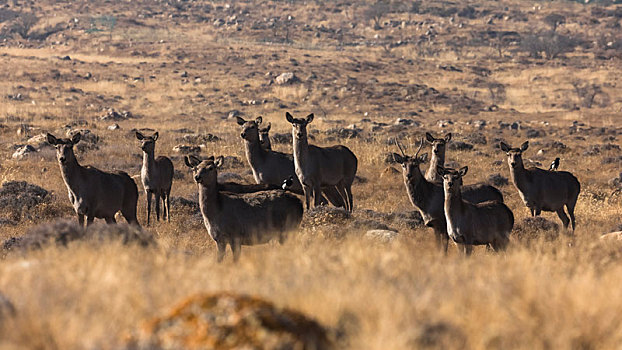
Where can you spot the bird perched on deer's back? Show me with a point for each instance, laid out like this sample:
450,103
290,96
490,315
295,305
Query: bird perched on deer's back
554,165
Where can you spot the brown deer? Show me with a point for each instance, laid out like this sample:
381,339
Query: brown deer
272,167
438,156
428,197
157,177
264,137
543,190
94,193
317,167
488,223
242,219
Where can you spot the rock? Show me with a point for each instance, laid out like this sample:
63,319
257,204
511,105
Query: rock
515,126
444,123
286,78
230,321
533,133
498,180
23,151
612,236
186,149
407,122
63,231
233,114
199,138
114,126
384,236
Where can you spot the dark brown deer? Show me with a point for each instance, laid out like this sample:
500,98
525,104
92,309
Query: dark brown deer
94,193
157,177
317,167
272,167
428,197
488,223
438,156
264,137
543,190
242,219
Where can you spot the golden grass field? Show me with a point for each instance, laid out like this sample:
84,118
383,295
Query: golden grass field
173,69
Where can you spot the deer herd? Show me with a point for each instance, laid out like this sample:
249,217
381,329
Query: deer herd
237,214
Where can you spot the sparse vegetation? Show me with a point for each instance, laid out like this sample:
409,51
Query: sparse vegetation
374,278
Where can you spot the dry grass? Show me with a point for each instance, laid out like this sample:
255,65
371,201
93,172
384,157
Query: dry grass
540,294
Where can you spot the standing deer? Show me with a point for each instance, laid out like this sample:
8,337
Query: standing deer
438,156
157,177
488,223
428,197
272,167
237,219
94,193
264,137
541,189
321,166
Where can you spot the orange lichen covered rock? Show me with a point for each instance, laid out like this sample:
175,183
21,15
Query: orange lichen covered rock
231,321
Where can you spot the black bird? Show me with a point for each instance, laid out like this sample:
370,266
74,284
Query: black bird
287,183
554,165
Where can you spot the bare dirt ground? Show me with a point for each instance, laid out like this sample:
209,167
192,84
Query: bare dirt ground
486,71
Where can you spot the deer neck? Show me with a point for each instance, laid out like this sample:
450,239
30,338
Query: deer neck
519,176
148,160
72,173
419,189
453,202
301,149
208,200
434,163
254,152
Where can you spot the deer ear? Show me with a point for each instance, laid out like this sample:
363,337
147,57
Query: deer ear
155,136
429,137
398,158
139,135
52,140
289,117
524,146
423,158
440,170
258,120
463,170
240,120
310,118
504,146
219,160
448,137
268,127
76,138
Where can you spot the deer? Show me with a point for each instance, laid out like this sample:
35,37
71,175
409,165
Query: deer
272,167
438,156
488,223
157,177
543,190
428,197
241,219
92,192
321,166
264,137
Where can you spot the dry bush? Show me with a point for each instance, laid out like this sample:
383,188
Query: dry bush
19,199
550,43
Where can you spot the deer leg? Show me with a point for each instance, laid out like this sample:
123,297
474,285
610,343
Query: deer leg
222,248
307,190
81,220
168,205
236,249
570,208
348,189
89,220
562,216
538,211
158,195
342,192
317,195
148,193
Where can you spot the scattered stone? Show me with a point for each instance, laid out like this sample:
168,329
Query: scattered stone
186,149
114,126
459,146
533,133
230,321
199,138
233,114
384,236
444,123
286,78
407,122
23,151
